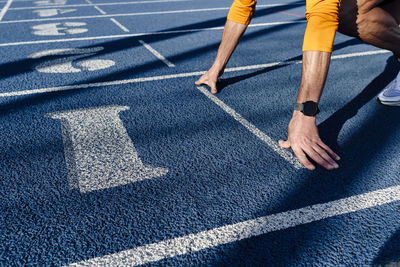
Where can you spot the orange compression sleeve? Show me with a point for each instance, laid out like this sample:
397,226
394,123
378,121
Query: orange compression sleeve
322,24
242,11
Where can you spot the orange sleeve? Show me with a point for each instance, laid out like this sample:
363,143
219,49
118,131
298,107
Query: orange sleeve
242,11
322,24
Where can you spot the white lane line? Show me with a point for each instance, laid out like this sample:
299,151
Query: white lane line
122,27
120,15
253,129
172,76
100,10
157,54
120,36
5,8
101,4
239,231
96,7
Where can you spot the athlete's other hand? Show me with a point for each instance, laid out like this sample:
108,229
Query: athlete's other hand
304,140
210,78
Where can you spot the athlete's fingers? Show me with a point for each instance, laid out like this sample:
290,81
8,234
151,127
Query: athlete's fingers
314,155
329,150
325,156
284,144
302,157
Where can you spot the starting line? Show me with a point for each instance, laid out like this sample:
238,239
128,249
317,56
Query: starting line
243,230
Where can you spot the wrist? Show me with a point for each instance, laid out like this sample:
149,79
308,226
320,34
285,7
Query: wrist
298,115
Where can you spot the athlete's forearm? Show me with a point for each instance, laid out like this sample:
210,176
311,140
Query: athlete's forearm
315,70
233,31
323,20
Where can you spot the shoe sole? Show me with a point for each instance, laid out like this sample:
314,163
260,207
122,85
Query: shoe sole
389,103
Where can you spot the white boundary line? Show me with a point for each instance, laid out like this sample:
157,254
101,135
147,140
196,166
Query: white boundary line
100,4
120,15
119,36
285,154
172,76
100,10
157,54
244,230
5,8
122,27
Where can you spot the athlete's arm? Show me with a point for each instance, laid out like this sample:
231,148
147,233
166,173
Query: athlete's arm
303,137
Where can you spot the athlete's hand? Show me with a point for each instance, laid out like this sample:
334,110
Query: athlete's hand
304,140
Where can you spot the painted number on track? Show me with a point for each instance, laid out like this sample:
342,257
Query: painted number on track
57,29
70,60
98,150
50,2
52,12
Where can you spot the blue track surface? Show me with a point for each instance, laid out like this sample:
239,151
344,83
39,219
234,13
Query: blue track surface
208,170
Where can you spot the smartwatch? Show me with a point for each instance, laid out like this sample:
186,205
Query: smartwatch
309,108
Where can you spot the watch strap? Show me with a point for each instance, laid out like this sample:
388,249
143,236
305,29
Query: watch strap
299,106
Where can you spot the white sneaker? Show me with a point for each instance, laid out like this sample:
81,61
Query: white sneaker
390,96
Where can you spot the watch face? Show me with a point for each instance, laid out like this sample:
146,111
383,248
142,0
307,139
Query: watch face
310,108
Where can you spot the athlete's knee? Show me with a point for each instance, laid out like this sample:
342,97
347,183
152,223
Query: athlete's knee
242,11
323,20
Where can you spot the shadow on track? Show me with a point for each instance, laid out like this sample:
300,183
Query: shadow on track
390,253
330,128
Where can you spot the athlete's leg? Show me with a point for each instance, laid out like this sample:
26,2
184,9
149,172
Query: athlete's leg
376,22
239,17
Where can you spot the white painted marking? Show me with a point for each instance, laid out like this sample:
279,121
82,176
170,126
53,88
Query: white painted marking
157,54
243,230
172,76
122,27
120,15
109,4
96,7
52,12
51,3
100,10
285,154
5,9
95,64
57,29
67,56
120,36
98,150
